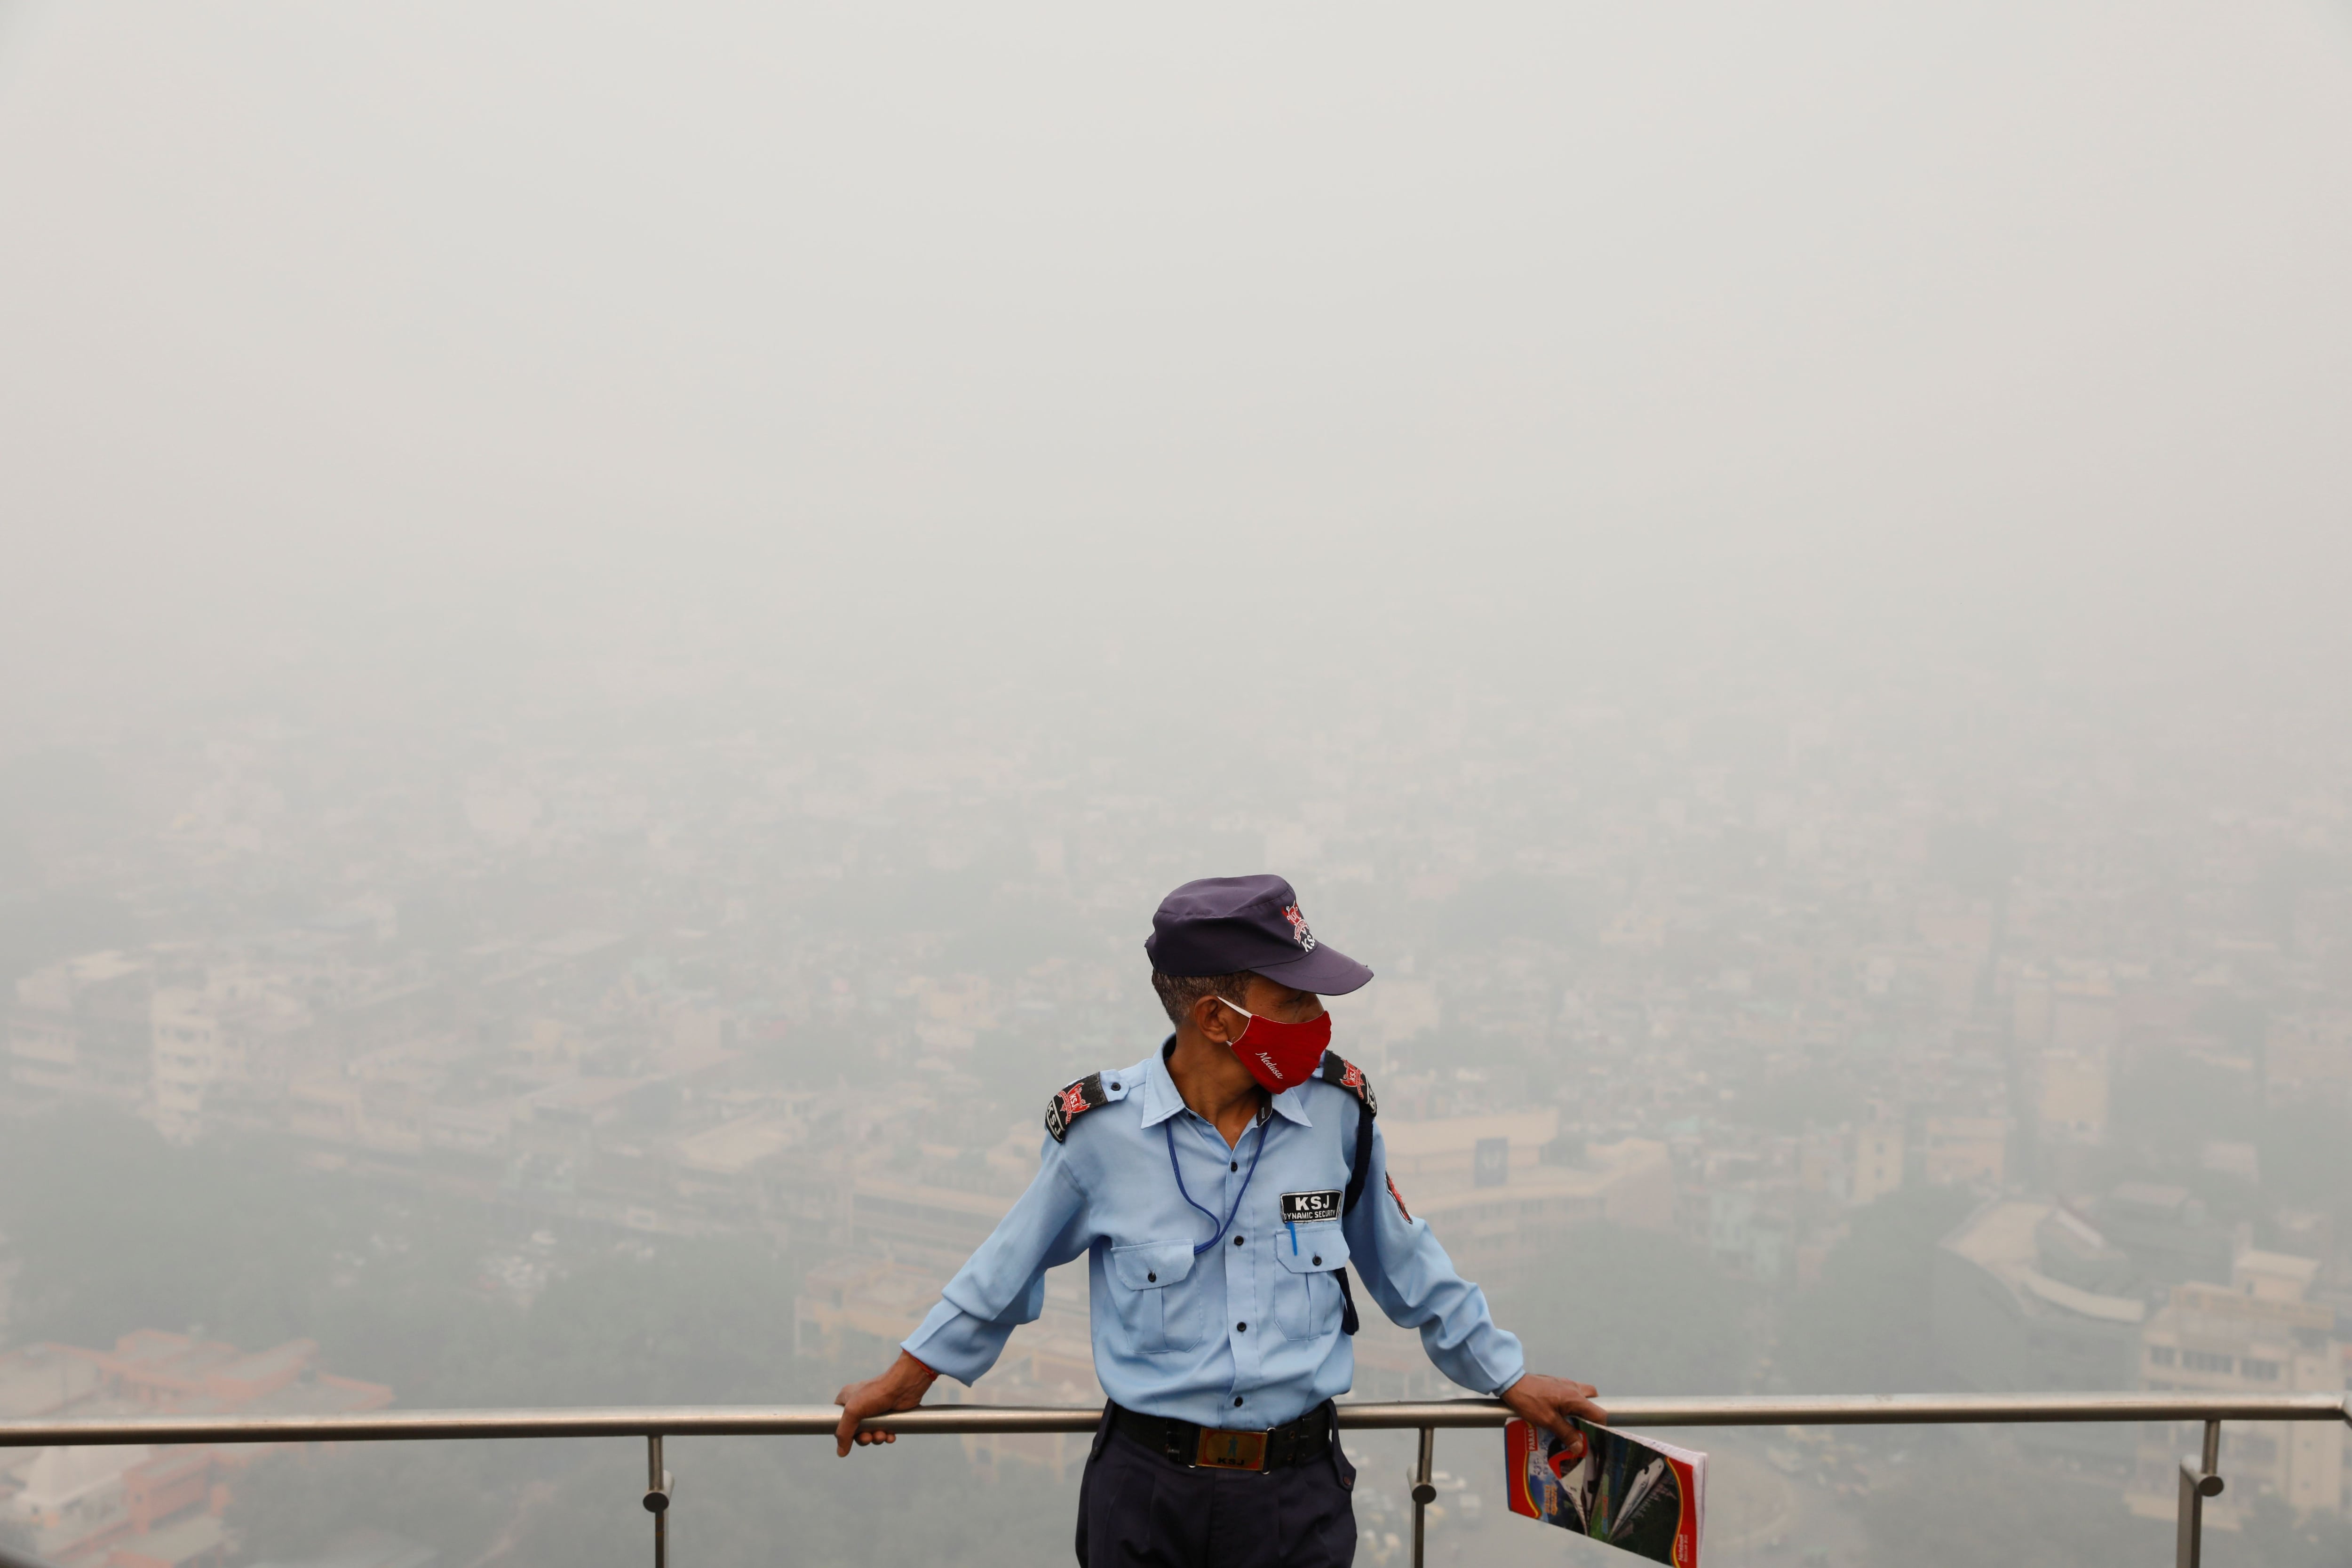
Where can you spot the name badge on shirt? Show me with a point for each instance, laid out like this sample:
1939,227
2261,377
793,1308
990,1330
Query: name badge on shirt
1299,1208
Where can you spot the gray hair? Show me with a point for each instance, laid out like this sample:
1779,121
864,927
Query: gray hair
1178,993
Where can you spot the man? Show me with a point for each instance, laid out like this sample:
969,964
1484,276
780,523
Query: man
1220,1187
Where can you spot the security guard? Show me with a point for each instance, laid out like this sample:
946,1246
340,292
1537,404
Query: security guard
1219,1188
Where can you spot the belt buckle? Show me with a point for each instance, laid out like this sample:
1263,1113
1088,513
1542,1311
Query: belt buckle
1223,1450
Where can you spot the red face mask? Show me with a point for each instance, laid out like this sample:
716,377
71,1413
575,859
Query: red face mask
1281,1056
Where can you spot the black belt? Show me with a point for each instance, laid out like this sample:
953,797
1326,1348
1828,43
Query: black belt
1300,1442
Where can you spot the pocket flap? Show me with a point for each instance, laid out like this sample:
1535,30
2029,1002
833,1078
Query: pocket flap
1150,1265
1321,1248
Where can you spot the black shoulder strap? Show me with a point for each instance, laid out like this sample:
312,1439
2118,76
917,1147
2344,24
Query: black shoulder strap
1360,1166
1346,1075
1349,1322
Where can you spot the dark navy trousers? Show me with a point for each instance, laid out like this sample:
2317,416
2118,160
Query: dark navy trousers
1136,1507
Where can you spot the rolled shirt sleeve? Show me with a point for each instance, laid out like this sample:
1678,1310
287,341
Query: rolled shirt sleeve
1003,1284
1408,1273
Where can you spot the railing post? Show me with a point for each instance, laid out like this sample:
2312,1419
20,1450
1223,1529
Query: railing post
2198,1480
658,1498
1423,1493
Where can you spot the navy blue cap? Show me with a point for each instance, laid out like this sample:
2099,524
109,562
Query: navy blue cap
1222,925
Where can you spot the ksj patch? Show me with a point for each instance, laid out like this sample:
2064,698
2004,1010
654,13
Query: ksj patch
1300,1208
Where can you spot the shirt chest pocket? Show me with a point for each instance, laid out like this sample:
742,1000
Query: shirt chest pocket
1157,1311
1306,1293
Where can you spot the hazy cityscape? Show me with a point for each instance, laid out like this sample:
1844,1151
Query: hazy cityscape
1767,1043
557,861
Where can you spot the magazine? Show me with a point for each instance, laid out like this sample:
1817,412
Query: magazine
1648,1497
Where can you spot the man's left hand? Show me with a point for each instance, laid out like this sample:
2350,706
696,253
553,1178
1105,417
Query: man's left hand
1550,1402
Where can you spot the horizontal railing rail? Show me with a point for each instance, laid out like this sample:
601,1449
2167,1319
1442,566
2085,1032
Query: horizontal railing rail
2199,1477
820,1420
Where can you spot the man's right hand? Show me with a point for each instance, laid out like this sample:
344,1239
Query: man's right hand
901,1388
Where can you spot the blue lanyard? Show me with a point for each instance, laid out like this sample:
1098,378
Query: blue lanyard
1264,1128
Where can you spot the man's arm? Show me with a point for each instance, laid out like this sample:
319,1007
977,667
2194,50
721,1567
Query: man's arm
1000,1287
1409,1274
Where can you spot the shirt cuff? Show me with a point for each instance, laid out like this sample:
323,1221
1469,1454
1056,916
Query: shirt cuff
1510,1383
955,1344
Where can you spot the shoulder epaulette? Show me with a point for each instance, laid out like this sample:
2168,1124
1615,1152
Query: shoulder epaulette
1069,1104
1339,1071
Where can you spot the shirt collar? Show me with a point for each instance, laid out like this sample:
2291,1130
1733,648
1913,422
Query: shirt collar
1161,1101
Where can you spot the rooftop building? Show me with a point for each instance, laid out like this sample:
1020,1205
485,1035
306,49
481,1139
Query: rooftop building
134,1506
2257,1334
1499,1190
2006,1318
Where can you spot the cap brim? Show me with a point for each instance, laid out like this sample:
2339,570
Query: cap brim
1326,971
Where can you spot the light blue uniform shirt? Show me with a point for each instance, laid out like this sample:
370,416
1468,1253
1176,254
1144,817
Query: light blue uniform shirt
1246,1335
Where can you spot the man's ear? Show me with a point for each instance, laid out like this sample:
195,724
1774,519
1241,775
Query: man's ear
1209,1016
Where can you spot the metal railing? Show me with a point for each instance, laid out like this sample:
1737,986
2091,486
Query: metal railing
2200,1473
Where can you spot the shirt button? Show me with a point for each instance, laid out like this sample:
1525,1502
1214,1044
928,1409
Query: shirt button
1237,1241
1237,1399
1237,1165
1241,1328
1318,1257
1154,1278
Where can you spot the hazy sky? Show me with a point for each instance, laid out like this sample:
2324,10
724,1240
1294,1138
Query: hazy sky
935,329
